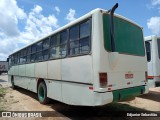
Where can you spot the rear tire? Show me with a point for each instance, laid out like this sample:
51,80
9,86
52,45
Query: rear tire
42,93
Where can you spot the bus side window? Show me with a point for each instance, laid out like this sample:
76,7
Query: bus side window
79,38
38,46
63,41
74,40
148,50
23,56
54,46
38,56
18,58
33,48
32,59
158,43
10,62
63,37
85,37
45,54
53,52
24,59
84,45
85,29
28,50
28,58
63,51
45,44
28,54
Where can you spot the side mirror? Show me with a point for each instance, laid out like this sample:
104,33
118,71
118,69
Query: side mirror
7,59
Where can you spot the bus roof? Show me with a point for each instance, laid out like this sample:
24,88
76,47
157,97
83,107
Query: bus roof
77,21
147,38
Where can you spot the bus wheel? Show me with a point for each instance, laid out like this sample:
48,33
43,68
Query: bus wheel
12,83
42,93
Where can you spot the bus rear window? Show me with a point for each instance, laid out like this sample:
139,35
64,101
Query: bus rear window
128,37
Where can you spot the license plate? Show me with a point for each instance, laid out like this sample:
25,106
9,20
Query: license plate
128,76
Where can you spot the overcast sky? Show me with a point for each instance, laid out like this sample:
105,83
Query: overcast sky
24,21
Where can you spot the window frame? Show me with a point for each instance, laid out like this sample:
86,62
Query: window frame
89,37
52,46
33,52
59,44
46,39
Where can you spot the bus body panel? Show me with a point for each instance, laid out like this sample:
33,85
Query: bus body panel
30,70
16,70
22,70
41,69
77,69
54,69
32,84
97,34
11,71
54,89
21,81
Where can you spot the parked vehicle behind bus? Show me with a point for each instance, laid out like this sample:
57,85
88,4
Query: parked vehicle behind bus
95,60
152,44
3,67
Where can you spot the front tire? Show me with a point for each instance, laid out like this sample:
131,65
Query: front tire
12,83
42,93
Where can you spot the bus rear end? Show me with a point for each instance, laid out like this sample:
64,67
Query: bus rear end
120,74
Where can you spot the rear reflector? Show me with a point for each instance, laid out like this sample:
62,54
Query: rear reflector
150,77
109,88
103,79
128,83
91,87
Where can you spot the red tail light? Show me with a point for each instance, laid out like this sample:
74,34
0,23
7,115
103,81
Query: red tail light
103,79
146,76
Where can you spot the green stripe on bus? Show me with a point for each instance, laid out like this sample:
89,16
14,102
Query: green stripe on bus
124,94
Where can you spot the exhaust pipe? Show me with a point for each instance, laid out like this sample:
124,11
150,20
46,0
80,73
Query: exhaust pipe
112,26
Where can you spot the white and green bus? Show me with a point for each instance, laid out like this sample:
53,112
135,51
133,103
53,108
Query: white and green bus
95,60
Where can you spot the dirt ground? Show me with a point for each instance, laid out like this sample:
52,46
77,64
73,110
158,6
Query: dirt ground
23,100
150,101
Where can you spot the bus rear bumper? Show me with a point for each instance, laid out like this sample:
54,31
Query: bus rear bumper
128,93
119,95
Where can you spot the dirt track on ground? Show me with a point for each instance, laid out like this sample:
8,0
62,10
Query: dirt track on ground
23,100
